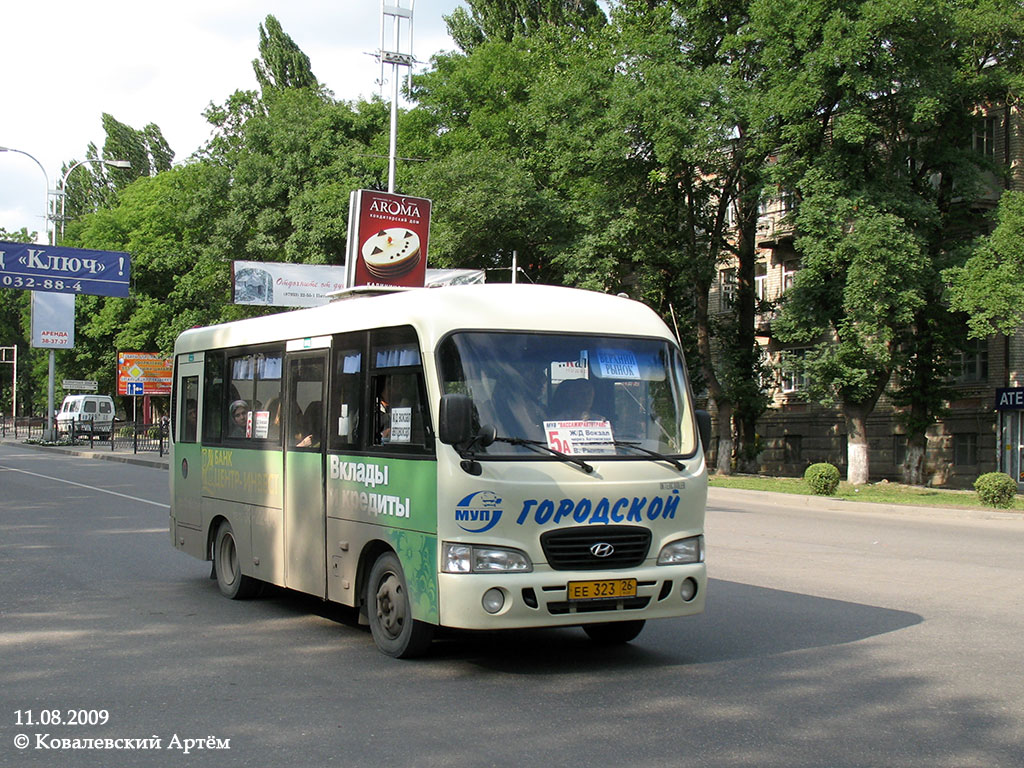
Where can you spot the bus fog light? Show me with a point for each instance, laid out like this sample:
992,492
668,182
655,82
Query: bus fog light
682,552
688,590
494,600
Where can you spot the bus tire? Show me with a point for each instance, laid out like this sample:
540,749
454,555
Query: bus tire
614,632
394,630
231,581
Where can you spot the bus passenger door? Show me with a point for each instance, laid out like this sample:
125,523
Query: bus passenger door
304,512
187,463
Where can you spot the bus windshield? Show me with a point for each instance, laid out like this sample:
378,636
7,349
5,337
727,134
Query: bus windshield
576,394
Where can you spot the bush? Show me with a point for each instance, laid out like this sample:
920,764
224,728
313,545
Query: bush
996,489
823,478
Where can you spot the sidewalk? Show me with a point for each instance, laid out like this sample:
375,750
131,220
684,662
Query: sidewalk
100,450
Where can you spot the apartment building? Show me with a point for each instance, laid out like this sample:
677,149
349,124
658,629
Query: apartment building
984,428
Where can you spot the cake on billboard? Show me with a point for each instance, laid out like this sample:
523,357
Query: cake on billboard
387,239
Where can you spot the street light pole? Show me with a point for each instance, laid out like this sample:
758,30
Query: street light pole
46,206
61,191
50,212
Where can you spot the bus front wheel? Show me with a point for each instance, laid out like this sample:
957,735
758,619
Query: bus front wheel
230,579
394,630
614,632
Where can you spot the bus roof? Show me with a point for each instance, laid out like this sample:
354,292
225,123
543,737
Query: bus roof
437,311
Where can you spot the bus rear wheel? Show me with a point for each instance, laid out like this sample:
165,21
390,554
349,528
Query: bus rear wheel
614,632
394,630
231,581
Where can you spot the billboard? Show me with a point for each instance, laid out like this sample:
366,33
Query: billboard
273,284
56,269
53,321
387,239
144,373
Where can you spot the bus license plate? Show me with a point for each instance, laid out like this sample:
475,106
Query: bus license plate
597,590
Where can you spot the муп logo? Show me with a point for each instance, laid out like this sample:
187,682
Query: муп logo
478,512
602,549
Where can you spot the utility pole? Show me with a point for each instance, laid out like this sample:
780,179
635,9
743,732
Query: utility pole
395,15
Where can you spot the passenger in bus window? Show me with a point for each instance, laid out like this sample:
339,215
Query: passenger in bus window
239,416
383,410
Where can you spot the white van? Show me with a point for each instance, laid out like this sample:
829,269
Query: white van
88,413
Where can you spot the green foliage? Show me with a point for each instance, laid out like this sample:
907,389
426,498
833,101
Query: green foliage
281,64
996,489
990,286
823,478
502,20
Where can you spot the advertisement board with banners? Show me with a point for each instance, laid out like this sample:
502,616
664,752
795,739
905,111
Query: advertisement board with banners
274,284
56,269
387,239
53,321
144,373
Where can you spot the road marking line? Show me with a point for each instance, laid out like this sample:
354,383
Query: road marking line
83,485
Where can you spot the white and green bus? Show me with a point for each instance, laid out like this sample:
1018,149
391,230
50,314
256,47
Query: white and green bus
474,457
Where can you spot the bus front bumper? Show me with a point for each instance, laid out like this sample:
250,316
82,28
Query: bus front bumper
541,598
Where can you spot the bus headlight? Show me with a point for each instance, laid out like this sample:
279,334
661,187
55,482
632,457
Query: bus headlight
682,552
468,558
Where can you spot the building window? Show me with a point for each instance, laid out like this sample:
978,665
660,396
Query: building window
899,450
965,449
970,365
761,281
984,135
727,283
791,371
789,270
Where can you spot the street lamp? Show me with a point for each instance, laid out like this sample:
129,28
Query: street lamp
62,190
46,206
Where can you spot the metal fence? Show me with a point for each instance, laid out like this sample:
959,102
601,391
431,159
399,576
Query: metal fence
126,435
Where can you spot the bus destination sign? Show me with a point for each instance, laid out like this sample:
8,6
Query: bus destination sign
57,269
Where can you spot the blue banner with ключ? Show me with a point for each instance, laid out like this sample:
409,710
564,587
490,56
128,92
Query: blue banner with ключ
57,269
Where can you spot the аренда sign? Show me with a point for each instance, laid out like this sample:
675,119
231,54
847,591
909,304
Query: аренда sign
64,270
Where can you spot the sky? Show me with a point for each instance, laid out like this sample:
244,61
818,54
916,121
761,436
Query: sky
65,63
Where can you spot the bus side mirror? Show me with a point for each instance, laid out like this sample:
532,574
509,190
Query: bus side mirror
455,420
704,428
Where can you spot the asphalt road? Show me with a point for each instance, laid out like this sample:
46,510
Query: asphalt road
831,638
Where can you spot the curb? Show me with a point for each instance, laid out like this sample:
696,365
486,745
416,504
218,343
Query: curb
828,504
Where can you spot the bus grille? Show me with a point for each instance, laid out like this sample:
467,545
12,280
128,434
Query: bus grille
573,549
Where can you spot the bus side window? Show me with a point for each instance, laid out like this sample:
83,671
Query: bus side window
346,399
213,398
189,419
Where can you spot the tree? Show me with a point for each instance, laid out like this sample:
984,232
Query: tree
502,20
96,185
875,100
281,64
989,287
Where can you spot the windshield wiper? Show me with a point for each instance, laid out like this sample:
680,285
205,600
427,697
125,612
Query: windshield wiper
540,447
655,454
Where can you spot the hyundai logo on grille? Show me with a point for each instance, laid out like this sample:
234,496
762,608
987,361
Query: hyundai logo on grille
602,549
